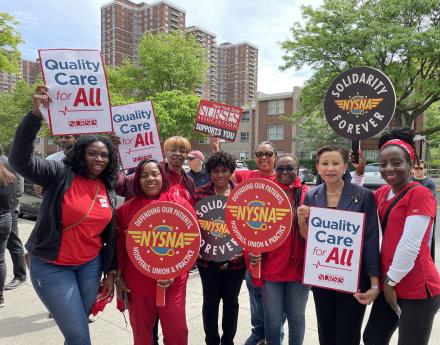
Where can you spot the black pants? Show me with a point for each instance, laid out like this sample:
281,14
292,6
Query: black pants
415,322
220,285
339,317
15,248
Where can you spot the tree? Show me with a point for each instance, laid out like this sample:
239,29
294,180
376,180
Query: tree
175,113
399,37
167,62
433,121
9,40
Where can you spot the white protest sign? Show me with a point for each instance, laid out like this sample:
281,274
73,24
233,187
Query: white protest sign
78,89
334,249
135,124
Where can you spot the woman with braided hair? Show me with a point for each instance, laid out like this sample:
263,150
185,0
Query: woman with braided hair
410,280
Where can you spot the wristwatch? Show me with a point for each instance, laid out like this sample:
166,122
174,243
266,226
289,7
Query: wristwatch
387,280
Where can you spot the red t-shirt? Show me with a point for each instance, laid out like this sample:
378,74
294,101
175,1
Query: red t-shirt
286,263
242,175
178,188
138,283
424,275
83,242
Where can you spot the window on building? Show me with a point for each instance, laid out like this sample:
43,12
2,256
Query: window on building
204,141
245,116
50,141
275,132
275,107
244,137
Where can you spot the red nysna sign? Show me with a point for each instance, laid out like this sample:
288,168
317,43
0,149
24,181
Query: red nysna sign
218,119
258,215
163,240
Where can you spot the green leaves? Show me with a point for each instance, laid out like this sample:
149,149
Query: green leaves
9,40
399,37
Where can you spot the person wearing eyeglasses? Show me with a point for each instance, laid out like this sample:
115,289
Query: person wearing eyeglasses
282,268
197,172
419,175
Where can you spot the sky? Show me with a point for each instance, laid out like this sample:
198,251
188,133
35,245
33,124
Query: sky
77,24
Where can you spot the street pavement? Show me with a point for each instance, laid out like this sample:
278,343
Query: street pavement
24,320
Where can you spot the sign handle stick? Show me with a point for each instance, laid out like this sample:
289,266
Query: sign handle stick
160,296
256,270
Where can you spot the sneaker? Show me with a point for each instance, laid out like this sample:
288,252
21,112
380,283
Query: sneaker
14,283
2,302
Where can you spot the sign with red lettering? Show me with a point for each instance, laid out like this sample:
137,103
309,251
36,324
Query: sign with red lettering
135,124
258,215
217,243
163,240
334,249
78,90
218,119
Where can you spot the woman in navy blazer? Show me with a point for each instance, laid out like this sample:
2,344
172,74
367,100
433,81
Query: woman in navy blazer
340,314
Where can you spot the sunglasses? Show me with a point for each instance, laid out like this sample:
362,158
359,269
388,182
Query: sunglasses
191,158
260,154
289,169
419,168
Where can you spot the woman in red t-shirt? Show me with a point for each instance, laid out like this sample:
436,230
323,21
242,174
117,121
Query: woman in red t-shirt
150,186
411,282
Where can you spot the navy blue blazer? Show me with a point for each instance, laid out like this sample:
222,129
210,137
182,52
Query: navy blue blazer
357,199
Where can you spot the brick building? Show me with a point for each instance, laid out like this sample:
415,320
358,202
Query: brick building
28,71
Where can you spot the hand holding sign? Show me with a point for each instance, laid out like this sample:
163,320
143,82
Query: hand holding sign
40,98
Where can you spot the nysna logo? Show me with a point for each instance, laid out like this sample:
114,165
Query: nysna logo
216,228
257,215
162,240
358,105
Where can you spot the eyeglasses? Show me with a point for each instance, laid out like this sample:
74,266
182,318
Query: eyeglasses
260,154
289,169
419,168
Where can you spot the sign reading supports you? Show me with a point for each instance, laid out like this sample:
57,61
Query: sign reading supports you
360,103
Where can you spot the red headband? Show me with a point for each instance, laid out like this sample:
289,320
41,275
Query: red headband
403,144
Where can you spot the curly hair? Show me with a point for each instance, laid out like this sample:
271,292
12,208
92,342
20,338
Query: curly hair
220,158
332,148
76,159
138,174
406,134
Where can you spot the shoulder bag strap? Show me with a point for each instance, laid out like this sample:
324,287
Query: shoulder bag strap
387,213
86,215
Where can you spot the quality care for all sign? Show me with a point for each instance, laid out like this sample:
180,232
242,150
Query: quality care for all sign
218,119
258,215
360,103
135,124
217,243
334,249
163,240
78,90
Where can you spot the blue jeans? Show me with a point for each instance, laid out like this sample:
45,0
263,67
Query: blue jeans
5,230
257,314
68,292
284,298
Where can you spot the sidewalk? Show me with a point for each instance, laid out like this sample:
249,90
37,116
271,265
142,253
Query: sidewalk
24,320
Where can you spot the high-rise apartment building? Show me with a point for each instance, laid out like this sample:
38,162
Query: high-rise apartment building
124,22
237,73
207,40
28,71
233,68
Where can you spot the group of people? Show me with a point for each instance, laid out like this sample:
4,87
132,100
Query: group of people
78,243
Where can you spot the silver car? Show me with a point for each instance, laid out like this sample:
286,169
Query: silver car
372,176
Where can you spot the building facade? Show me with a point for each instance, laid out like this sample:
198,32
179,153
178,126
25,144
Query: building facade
237,73
28,71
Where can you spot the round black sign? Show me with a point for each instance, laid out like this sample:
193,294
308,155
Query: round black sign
360,103
217,243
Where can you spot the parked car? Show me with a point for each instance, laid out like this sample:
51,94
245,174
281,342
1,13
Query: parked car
241,165
306,175
372,176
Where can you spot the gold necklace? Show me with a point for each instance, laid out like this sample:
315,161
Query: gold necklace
335,193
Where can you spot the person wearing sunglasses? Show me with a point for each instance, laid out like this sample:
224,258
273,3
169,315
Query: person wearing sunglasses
419,175
197,170
282,268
